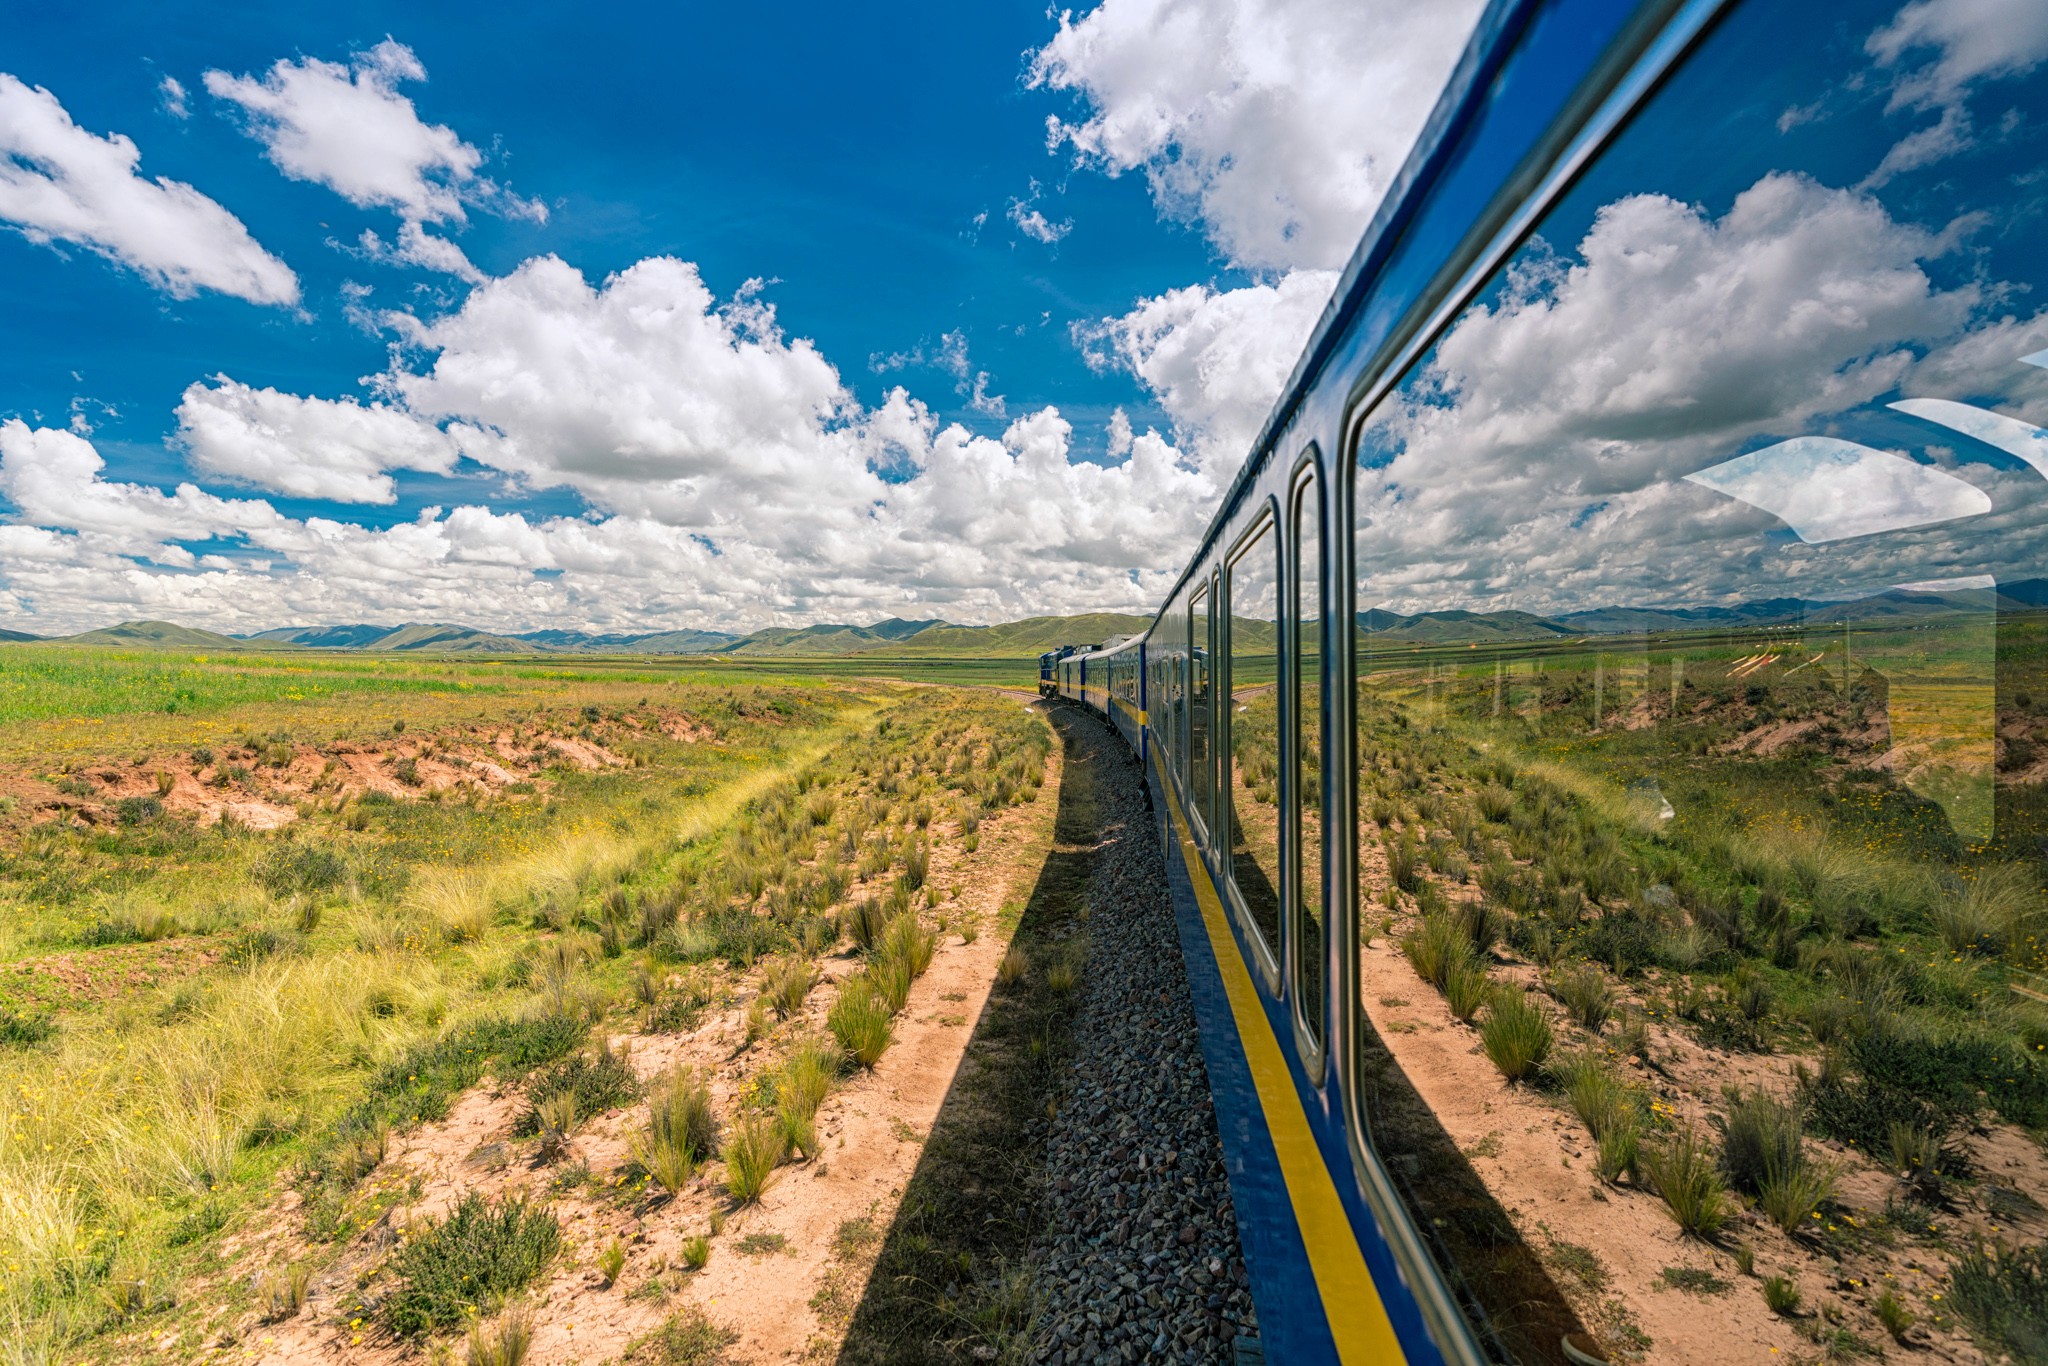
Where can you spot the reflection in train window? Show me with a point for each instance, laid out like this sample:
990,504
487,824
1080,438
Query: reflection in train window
1306,790
1199,760
1700,580
1249,712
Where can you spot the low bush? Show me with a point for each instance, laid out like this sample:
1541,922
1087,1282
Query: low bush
2003,1292
594,1082
467,1263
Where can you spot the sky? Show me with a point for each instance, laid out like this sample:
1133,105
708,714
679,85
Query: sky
644,318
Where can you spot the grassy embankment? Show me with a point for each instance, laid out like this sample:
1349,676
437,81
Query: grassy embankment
196,1012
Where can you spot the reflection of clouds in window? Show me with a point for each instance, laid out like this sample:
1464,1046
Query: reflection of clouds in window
2009,434
1830,490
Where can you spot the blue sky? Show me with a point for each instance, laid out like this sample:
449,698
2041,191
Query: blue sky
660,318
845,153
657,317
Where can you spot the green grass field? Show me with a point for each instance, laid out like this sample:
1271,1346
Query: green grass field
194,1009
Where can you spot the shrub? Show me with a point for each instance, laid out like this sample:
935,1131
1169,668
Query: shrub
861,1022
1466,988
482,1252
1514,1034
1682,1171
1433,947
2003,1291
1781,1295
302,868
752,1151
1584,993
593,1082
24,1031
1758,1135
504,1342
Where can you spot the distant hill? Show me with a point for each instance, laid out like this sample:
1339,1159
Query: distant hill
443,639
659,643
12,637
326,637
1431,628
1031,636
160,635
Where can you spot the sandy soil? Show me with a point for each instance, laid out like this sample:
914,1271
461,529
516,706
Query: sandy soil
871,1128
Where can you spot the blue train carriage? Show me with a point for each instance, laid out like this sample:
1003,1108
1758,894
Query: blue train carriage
1675,421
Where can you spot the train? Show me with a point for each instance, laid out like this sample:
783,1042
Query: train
1666,460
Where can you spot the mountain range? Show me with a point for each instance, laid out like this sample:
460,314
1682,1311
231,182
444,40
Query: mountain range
927,637
1018,639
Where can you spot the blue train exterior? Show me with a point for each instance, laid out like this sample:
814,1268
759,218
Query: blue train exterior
1551,97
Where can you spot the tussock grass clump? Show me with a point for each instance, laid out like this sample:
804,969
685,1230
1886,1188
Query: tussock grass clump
889,978
1994,908
1515,1034
1435,946
1683,1172
696,1252
1611,1110
1781,1295
861,1021
1758,1135
786,984
1466,988
481,1253
505,1341
611,1260
1892,1312
1015,966
685,1338
283,1293
1584,993
907,939
753,1149
864,923
682,1129
799,1086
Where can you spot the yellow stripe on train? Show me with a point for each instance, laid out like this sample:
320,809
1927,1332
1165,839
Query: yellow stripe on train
1358,1320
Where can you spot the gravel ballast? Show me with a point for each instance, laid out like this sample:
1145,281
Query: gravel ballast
1139,1260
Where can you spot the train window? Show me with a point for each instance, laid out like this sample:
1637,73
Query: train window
1249,719
1701,575
1199,761
1305,792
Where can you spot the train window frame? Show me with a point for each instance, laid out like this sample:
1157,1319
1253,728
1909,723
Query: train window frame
1268,955
1195,797
1305,486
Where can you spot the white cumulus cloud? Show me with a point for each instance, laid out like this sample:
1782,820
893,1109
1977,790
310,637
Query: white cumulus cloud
339,450
60,183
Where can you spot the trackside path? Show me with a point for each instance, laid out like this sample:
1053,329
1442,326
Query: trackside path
1139,1258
